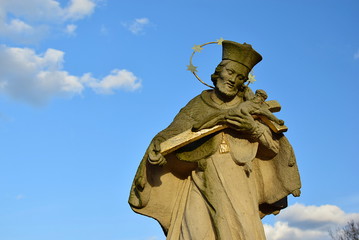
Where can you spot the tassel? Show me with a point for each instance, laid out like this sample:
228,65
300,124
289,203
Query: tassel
223,147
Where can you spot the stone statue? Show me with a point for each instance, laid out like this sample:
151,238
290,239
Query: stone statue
221,184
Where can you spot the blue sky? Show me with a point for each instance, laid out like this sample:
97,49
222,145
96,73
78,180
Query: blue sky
86,84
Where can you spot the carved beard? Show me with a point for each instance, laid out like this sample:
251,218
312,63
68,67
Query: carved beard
224,90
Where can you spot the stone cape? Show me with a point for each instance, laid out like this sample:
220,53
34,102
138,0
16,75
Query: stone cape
162,192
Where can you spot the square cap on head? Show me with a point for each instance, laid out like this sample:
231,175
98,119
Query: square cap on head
241,53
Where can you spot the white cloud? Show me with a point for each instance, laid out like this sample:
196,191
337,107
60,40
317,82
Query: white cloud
47,10
33,10
137,26
104,30
36,78
20,31
20,196
118,79
316,216
307,222
356,55
78,9
71,29
26,76
19,26
30,20
153,238
282,231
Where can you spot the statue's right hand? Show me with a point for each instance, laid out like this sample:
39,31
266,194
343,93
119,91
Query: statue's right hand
154,154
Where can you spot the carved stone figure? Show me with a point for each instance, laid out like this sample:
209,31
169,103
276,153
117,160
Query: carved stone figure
218,185
256,106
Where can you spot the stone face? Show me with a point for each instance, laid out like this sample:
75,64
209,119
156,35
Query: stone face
222,164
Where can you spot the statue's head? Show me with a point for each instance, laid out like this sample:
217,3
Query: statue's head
237,61
261,94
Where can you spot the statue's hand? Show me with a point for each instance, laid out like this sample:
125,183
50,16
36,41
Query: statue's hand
240,121
154,154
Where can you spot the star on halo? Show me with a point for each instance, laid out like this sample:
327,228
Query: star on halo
251,78
219,41
191,68
197,48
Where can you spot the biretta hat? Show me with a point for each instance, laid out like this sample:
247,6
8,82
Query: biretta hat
241,53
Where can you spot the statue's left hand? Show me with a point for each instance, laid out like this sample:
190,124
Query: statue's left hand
154,154
240,121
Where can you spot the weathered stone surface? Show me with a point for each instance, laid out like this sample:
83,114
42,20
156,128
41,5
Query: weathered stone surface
222,164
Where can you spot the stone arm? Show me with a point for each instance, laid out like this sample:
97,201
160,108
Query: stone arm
243,122
196,116
211,120
254,130
268,143
182,122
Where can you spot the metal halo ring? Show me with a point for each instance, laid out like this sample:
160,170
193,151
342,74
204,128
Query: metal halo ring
192,68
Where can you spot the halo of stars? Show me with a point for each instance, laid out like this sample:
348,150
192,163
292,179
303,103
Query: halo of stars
193,69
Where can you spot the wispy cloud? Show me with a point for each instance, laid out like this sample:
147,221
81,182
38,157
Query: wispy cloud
71,29
103,30
356,55
19,197
31,20
299,222
36,78
283,231
117,79
78,9
153,238
137,26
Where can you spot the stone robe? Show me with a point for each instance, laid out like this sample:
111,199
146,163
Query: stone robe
207,193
